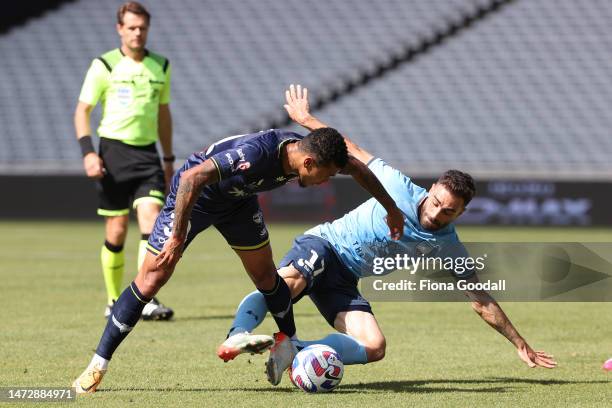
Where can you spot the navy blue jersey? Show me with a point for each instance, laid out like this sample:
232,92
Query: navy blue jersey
246,165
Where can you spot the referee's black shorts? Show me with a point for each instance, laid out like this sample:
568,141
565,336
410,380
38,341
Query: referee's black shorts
133,174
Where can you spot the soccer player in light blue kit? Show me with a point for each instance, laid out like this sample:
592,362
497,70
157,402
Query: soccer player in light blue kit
328,260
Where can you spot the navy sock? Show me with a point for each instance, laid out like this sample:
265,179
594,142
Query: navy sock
126,313
280,306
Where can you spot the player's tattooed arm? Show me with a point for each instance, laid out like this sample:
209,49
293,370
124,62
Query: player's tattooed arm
491,312
190,186
299,111
366,179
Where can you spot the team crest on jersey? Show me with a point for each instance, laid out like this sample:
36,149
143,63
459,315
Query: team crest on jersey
258,217
243,165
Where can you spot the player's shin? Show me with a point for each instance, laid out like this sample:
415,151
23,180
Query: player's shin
126,313
351,350
251,312
280,306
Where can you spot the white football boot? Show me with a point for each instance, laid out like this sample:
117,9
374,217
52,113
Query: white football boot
244,342
281,357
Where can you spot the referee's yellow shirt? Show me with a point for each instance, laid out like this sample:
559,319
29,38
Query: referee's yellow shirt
130,93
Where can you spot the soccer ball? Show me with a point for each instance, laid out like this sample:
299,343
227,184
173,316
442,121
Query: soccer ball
316,368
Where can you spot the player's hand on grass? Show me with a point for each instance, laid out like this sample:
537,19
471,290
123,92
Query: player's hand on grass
535,358
395,221
94,167
171,253
297,104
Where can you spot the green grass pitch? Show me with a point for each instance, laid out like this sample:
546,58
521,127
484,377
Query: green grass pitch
438,354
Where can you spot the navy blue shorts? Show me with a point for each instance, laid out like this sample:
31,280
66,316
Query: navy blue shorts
241,223
331,286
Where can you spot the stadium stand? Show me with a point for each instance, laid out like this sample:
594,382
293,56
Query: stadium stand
523,92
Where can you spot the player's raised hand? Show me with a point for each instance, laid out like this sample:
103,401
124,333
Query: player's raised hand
171,253
395,221
94,167
535,358
297,104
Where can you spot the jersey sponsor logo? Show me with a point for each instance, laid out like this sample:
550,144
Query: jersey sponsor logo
230,160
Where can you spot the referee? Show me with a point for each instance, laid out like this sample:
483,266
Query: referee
133,86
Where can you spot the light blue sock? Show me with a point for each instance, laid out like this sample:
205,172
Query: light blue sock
251,312
350,349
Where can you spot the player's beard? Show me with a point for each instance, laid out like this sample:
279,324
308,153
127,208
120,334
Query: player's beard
432,225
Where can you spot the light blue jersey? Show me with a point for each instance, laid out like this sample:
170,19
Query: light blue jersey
363,235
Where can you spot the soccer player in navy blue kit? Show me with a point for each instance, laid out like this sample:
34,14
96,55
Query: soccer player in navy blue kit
218,187
327,262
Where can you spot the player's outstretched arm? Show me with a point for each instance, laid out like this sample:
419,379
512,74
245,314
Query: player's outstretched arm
366,179
190,185
490,311
299,111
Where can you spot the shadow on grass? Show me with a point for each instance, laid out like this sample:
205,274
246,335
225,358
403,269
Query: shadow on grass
420,386
404,386
204,317
221,317
203,389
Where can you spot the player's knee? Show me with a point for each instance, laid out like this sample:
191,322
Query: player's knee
116,232
375,349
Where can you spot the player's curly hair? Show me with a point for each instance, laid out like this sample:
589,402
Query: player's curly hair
459,183
327,145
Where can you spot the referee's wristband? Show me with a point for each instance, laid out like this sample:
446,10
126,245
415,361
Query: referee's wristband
169,159
86,145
